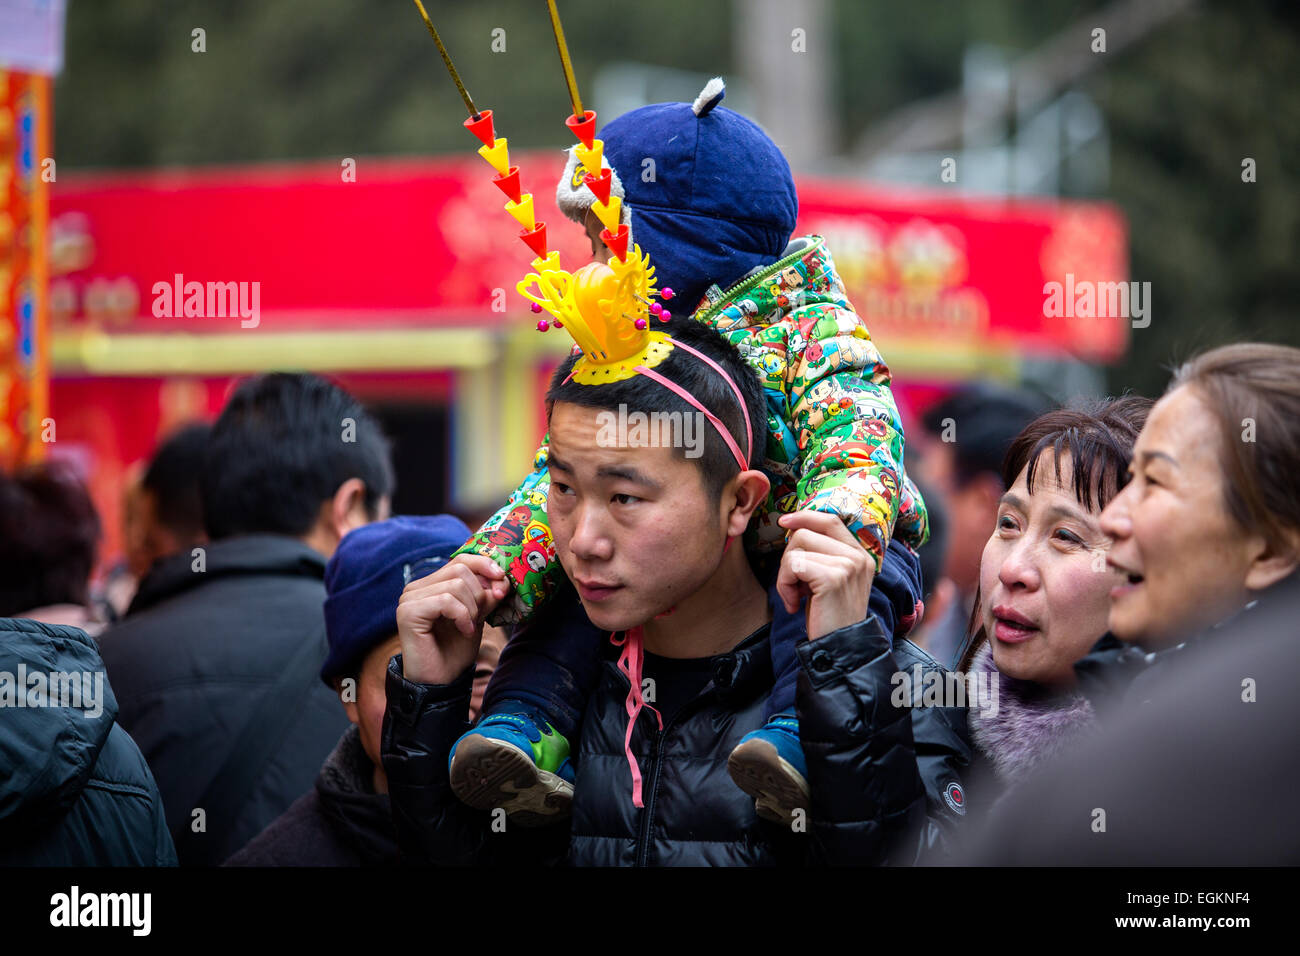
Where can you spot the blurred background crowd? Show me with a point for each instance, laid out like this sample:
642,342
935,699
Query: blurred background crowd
958,160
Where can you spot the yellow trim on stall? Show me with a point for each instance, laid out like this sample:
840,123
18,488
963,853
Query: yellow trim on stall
95,352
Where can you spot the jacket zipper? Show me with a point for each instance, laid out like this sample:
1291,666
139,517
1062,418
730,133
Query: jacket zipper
650,784
647,814
740,288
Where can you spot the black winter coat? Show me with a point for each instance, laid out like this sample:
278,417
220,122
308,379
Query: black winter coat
1114,673
1191,767
74,789
197,661
339,822
944,753
868,798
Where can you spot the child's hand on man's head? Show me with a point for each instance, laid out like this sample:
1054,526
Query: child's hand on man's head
826,564
440,617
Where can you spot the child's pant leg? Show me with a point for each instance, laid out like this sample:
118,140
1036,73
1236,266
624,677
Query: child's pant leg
551,664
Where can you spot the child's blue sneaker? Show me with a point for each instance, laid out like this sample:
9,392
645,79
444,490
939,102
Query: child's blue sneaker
509,761
768,764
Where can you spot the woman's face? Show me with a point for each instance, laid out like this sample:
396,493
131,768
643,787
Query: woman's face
1044,584
1184,561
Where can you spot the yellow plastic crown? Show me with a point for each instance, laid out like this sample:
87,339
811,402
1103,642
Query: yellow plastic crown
605,308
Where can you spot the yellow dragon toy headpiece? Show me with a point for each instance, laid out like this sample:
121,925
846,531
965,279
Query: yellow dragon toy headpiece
605,308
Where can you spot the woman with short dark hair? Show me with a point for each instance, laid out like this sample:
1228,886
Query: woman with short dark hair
1044,586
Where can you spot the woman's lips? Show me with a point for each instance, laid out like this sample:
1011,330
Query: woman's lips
1010,627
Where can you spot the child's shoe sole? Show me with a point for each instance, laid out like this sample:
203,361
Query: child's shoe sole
488,773
778,789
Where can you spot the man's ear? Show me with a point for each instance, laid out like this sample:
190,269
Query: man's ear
1274,560
347,510
746,493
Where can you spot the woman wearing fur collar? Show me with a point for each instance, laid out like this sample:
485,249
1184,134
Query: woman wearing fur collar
1044,592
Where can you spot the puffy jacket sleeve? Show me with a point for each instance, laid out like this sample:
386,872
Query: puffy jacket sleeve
847,429
868,798
421,723
941,736
518,538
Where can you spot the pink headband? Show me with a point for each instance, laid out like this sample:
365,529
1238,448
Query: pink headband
741,460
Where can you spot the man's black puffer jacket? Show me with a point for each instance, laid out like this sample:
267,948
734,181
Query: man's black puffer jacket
868,800
943,756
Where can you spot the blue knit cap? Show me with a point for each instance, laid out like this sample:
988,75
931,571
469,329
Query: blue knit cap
364,579
721,201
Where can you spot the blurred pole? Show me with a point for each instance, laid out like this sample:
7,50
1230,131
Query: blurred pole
786,50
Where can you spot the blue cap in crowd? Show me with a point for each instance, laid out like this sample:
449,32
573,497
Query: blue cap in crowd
365,578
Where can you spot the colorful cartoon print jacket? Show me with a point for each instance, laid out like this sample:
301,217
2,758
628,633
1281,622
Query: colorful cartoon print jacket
834,438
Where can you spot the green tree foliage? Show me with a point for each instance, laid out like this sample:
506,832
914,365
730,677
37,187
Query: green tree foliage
287,79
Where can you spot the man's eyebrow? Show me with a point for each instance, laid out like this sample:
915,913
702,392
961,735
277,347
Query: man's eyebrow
625,472
628,473
1148,455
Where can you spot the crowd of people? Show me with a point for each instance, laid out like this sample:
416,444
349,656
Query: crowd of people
816,642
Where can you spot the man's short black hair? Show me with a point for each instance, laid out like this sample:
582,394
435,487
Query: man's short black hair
281,447
49,531
643,394
985,418
172,478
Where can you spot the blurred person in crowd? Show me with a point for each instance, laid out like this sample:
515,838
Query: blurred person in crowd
1044,592
74,789
171,504
162,511
1206,540
217,664
939,593
345,820
119,585
49,534
959,454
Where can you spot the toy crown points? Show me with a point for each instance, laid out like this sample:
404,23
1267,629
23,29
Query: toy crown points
523,211
591,157
498,155
509,184
481,126
600,184
605,309
584,128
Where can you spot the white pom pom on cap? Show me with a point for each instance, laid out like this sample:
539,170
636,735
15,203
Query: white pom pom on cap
709,97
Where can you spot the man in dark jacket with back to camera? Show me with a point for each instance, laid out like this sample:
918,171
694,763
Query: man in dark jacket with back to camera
216,665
